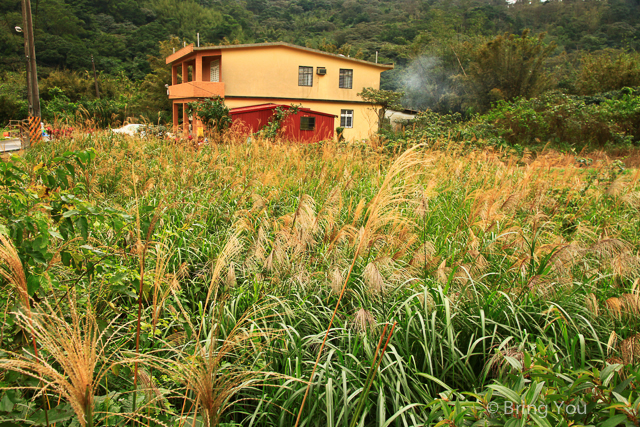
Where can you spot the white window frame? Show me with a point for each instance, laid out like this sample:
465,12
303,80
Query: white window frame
345,117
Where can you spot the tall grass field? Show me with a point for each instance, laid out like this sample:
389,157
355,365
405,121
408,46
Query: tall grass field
147,282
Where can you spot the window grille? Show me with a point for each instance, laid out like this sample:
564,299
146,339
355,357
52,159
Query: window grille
346,79
305,76
215,71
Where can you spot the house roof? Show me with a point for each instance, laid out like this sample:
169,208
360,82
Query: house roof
191,48
262,107
403,111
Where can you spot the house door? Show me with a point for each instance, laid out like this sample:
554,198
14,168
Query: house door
215,71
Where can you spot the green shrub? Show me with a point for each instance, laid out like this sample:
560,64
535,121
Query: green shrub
609,119
608,70
213,113
538,390
13,97
563,119
507,67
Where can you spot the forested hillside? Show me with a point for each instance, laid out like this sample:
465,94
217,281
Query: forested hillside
430,41
122,33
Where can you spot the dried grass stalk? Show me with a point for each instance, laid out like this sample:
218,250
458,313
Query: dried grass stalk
373,279
216,369
74,358
336,280
11,270
630,349
231,249
364,321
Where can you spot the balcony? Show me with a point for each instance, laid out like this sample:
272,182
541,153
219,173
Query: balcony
196,90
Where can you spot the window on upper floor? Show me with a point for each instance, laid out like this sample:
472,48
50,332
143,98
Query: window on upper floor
307,123
305,76
346,119
346,79
214,73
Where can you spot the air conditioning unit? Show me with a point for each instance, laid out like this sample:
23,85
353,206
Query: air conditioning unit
321,71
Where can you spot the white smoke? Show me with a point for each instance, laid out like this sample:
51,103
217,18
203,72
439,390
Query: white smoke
426,83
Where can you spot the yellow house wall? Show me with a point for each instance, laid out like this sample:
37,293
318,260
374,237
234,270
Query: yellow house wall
365,120
273,71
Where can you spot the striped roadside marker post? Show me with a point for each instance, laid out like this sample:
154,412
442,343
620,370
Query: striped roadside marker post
35,132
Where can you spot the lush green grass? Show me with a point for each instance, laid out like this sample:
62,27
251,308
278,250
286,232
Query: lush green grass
496,270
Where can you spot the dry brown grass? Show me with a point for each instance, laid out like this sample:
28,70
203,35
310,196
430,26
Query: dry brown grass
630,349
11,270
364,321
73,358
304,216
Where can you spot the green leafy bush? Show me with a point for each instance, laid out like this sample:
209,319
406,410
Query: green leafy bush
539,390
13,103
607,70
608,120
564,119
43,206
213,113
507,67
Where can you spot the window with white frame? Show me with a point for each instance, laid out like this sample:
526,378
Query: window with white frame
305,76
346,118
346,79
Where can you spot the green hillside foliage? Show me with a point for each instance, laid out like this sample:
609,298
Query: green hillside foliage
122,33
450,57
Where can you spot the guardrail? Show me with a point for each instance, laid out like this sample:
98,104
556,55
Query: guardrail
20,129
27,131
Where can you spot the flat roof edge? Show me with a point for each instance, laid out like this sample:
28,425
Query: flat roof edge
191,48
261,107
180,53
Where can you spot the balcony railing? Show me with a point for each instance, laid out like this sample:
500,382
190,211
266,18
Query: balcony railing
196,90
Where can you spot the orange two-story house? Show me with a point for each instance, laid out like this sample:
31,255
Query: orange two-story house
280,73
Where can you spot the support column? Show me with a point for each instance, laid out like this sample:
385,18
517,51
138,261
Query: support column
197,73
185,119
185,72
174,75
176,111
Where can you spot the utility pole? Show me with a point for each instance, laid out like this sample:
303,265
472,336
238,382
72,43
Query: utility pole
95,77
26,62
32,74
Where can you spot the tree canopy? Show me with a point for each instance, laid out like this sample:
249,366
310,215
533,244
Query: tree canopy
449,56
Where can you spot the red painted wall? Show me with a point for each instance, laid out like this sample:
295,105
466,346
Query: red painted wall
252,119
